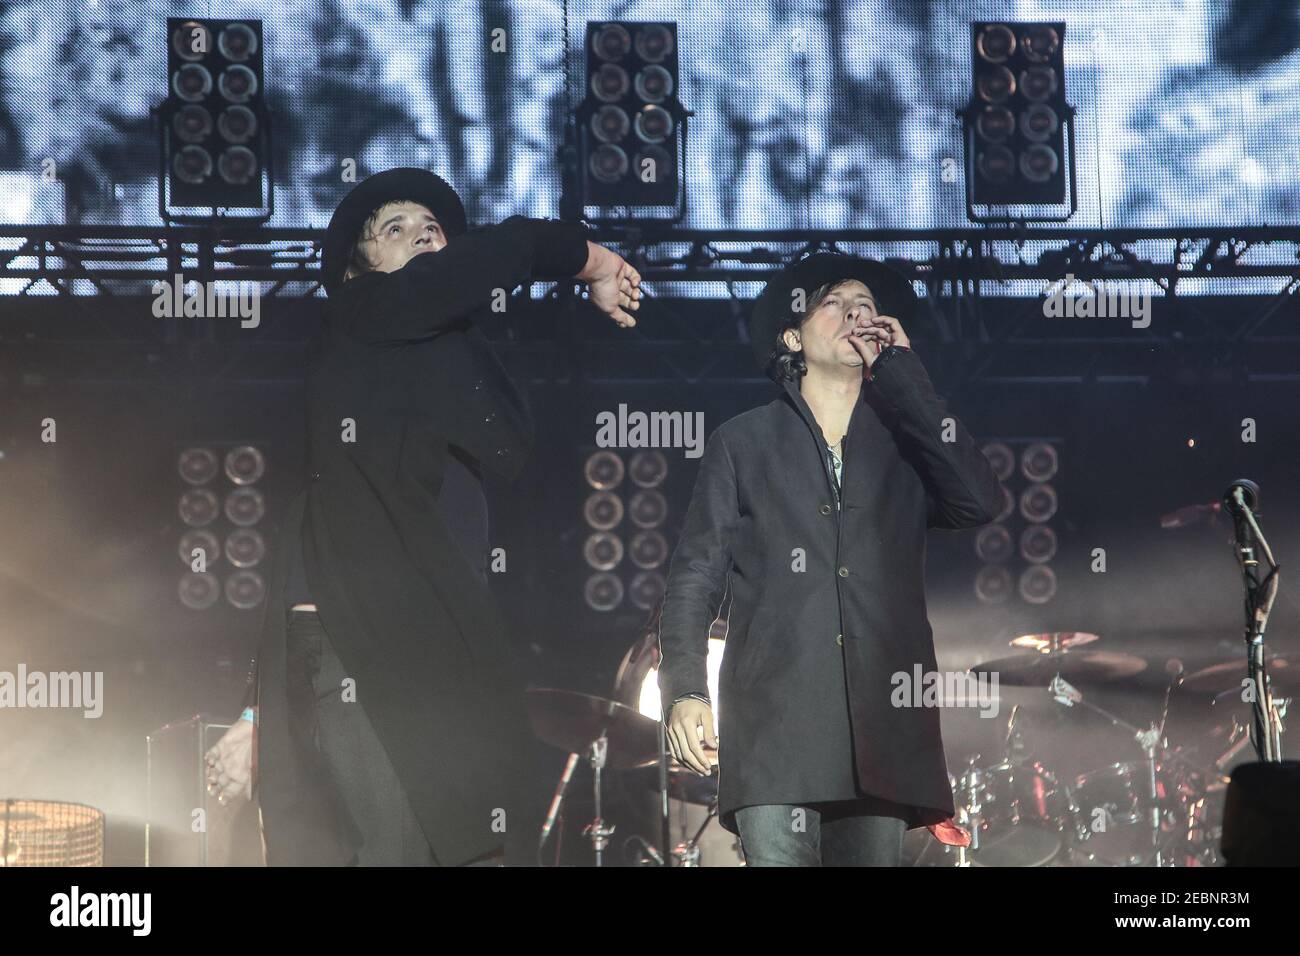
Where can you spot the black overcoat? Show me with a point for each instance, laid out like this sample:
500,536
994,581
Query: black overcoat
406,374
826,604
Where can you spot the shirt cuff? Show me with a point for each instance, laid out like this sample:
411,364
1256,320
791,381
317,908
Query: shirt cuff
559,248
703,697
886,356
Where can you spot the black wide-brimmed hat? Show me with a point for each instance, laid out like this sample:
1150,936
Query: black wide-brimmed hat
894,294
417,185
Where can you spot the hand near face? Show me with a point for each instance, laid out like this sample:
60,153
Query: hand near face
873,334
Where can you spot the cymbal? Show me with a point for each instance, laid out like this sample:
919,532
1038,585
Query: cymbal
1224,678
1053,640
573,721
686,785
1029,670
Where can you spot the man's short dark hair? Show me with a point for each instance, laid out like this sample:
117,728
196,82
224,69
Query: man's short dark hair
783,365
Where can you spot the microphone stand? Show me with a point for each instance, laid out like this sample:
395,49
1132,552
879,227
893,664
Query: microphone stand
1150,740
1241,499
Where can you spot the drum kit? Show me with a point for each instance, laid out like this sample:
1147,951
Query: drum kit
625,732
1158,804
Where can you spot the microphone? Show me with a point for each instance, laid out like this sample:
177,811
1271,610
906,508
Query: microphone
1249,491
553,813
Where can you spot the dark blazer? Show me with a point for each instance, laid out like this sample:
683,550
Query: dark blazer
804,698
405,375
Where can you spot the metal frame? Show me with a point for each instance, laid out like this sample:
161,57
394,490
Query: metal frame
977,325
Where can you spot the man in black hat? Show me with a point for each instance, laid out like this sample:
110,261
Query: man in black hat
390,717
813,509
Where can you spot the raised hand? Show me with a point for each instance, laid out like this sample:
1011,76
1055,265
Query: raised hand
614,285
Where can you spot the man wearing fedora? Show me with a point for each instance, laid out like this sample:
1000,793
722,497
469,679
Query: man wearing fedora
813,509
390,718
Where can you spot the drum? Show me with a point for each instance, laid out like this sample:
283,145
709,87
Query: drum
1112,815
1023,814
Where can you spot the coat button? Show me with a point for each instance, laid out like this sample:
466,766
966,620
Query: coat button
839,639
478,386
844,572
503,452
489,418
315,476
826,509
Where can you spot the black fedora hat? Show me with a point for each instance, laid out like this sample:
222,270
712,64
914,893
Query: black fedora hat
417,185
894,294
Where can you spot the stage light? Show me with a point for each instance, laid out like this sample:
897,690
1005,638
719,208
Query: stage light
1016,121
1039,462
192,124
654,84
245,507
238,124
199,590
1000,458
603,470
648,469
648,550
993,584
646,589
238,43
603,510
244,465
603,591
199,507
611,41
1038,584
648,509
1038,543
609,164
603,551
1038,503
996,124
245,548
610,83
203,541
197,466
47,833
610,124
630,137
1035,503
993,544
245,590
221,164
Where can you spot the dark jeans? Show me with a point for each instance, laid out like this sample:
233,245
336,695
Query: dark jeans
844,833
355,757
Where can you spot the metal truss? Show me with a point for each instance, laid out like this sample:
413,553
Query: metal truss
1224,301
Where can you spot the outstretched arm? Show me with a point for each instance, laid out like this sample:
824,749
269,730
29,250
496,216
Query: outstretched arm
434,290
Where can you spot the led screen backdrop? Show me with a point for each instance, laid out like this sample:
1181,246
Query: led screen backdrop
808,114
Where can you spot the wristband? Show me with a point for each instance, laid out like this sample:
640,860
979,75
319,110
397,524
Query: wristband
249,715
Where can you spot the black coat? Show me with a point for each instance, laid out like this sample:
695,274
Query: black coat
407,614
804,711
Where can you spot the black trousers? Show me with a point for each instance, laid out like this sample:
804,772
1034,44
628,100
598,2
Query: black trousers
354,755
